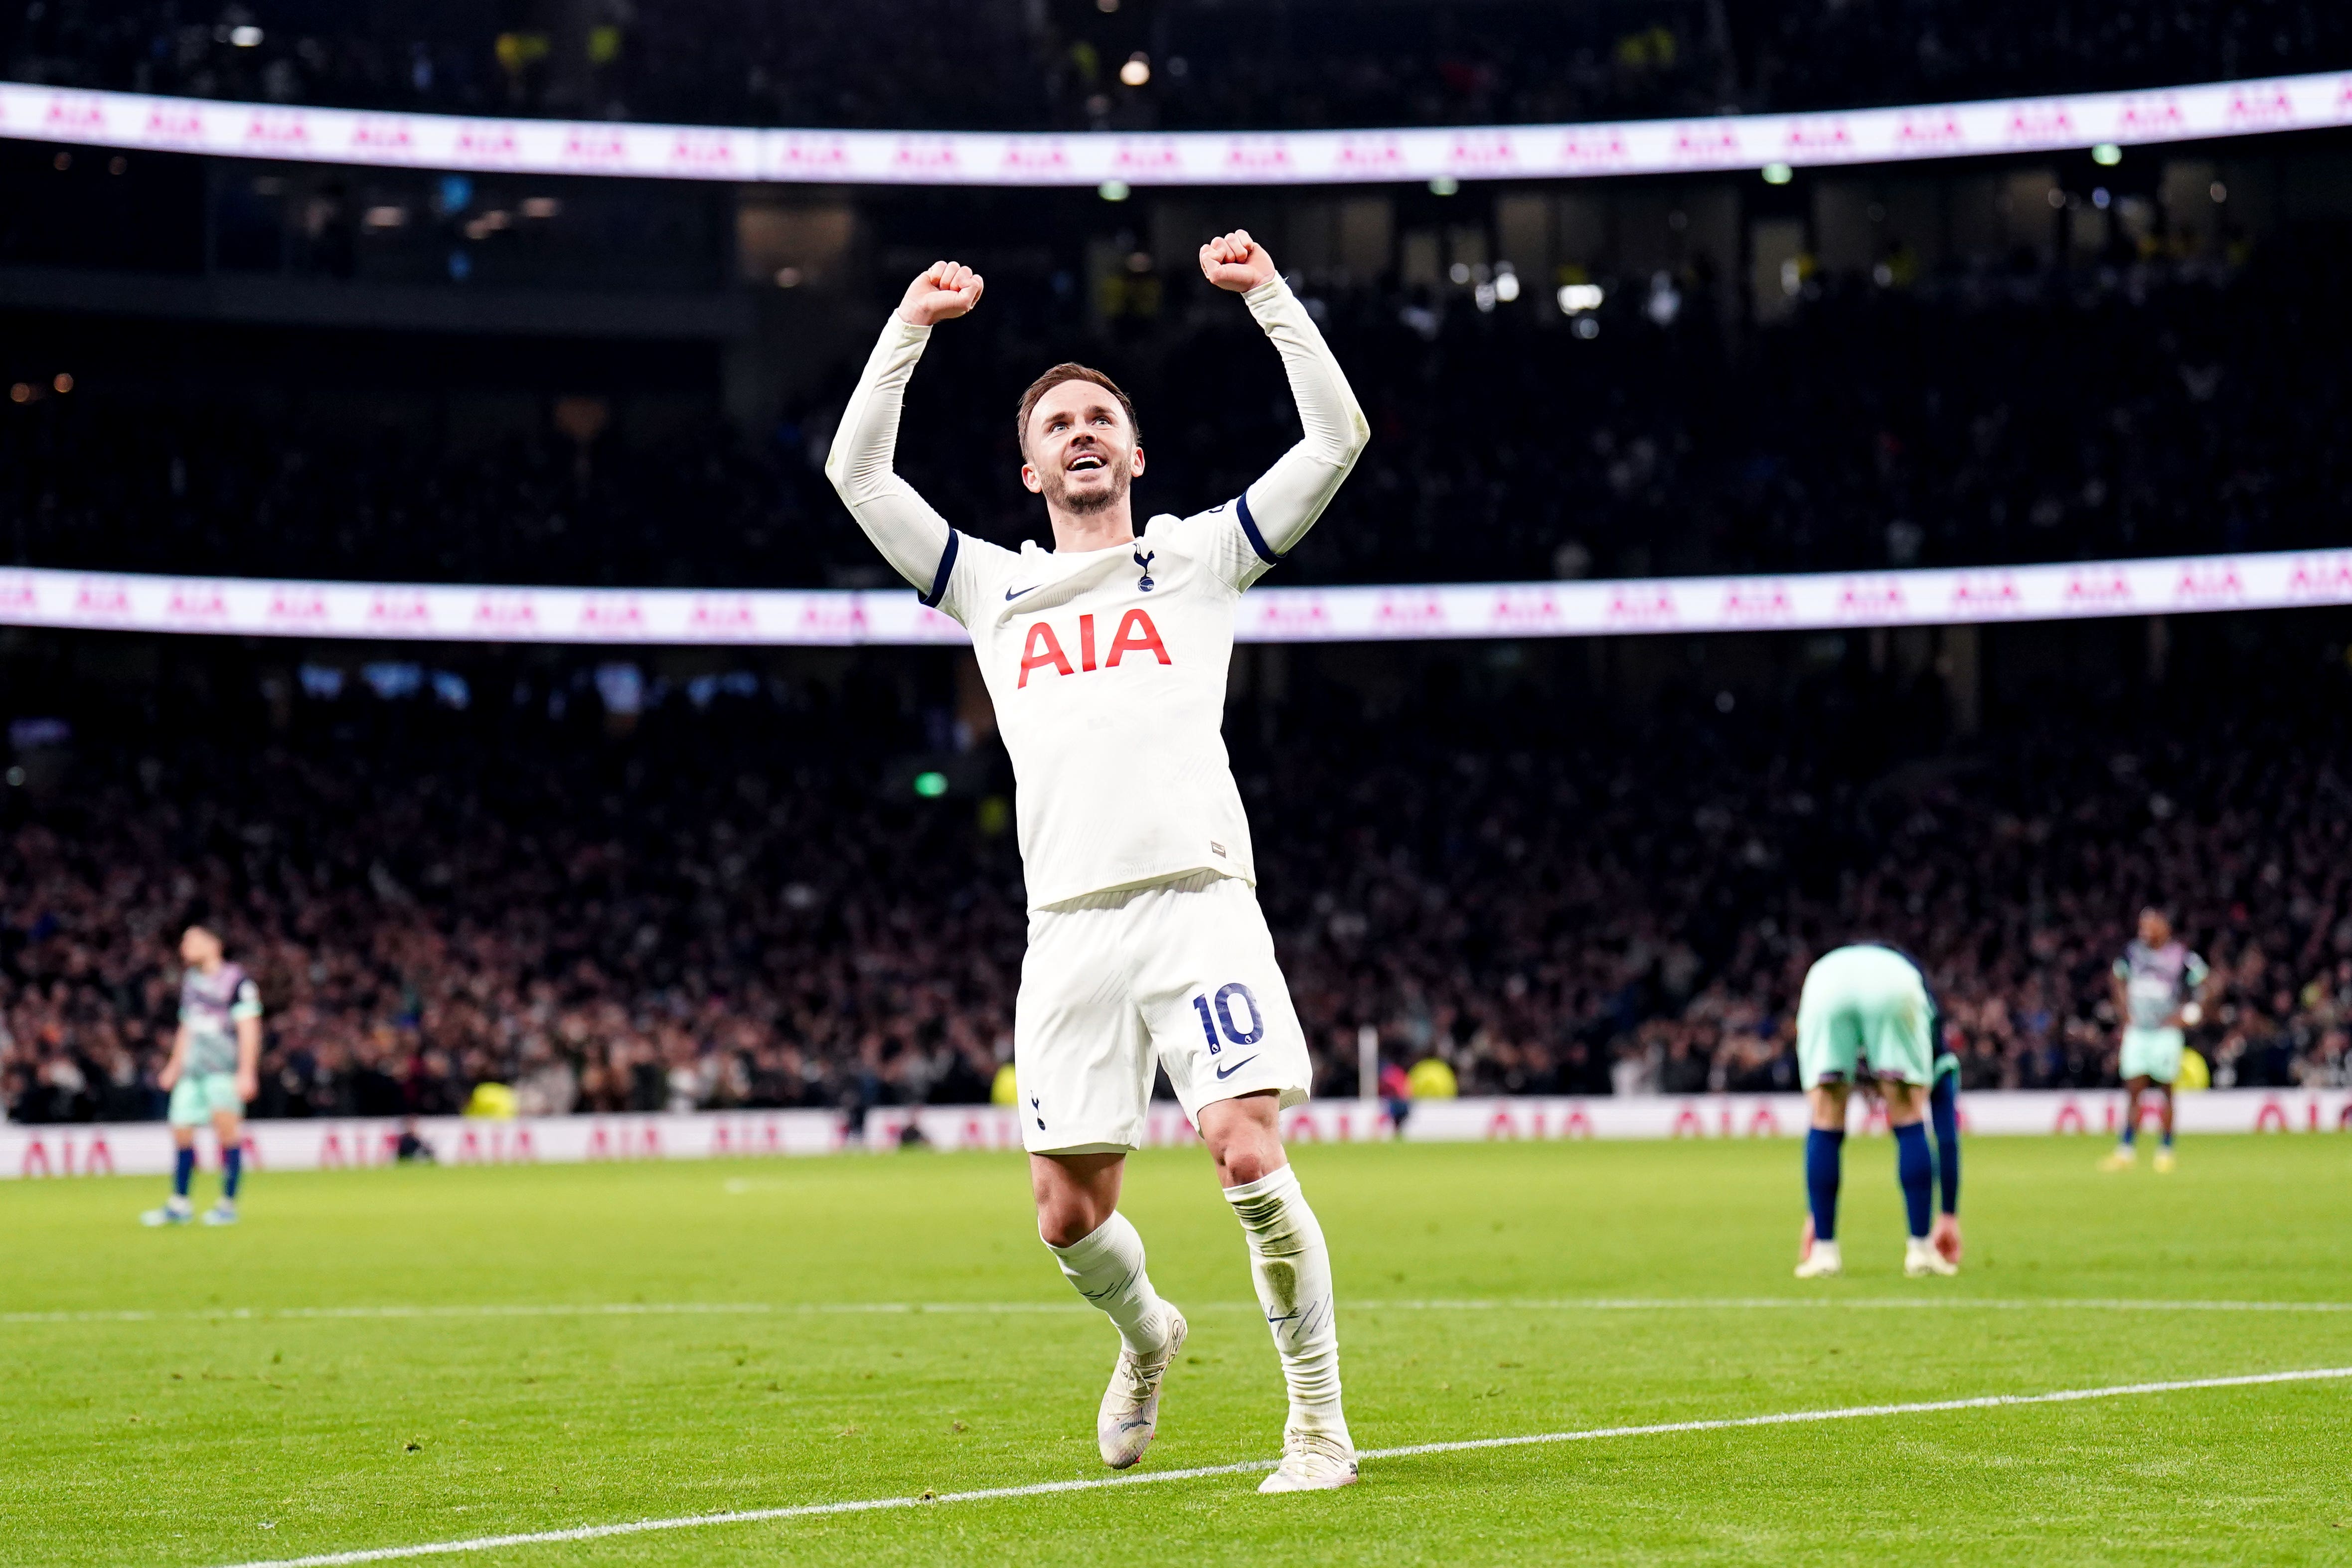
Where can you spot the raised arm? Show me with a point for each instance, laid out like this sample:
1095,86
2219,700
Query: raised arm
914,539
1284,501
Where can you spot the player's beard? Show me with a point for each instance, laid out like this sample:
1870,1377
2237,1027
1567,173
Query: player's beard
1059,494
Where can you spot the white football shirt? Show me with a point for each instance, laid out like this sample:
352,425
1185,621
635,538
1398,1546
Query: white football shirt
1108,667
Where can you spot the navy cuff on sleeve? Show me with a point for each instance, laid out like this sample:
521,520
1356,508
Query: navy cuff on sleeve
939,583
1250,532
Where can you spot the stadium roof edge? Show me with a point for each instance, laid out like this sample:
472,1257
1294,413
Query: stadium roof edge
2203,111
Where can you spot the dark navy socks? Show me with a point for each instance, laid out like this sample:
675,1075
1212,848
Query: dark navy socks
1823,1152
1915,1167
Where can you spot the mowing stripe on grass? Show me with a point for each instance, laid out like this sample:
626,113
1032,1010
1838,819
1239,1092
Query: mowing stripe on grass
1251,1466
862,1308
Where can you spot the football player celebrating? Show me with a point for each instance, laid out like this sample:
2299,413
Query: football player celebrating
1107,657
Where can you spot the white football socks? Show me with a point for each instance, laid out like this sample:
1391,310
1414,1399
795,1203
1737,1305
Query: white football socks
1107,1267
1292,1268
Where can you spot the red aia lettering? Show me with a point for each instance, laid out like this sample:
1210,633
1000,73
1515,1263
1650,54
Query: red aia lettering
1043,649
1136,633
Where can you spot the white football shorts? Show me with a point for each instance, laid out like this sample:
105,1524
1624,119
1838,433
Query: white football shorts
1179,972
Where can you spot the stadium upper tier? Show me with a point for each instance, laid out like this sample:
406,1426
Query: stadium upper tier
1023,65
1987,421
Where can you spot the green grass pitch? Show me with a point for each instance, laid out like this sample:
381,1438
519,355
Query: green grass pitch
247,1419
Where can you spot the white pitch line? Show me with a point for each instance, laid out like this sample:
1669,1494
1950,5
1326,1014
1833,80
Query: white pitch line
982,1309
1250,1466
1754,1303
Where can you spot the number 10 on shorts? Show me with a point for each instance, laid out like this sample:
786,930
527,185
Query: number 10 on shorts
1218,1013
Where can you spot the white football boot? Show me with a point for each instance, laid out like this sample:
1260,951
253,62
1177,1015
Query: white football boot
1920,1259
1130,1416
1311,1463
1821,1261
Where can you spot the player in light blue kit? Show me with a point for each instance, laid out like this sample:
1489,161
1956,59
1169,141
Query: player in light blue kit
1866,1015
214,1072
2159,989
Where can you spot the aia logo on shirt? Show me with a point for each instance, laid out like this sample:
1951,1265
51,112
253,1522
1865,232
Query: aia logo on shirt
1043,649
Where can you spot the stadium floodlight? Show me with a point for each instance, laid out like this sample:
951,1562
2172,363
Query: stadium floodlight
1507,285
1137,71
245,37
1575,299
1778,174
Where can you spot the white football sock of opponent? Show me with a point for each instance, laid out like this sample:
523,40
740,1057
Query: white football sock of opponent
1107,1267
1292,1268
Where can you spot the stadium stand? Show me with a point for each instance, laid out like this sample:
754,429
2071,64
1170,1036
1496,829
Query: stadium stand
1208,63
714,902
1975,420
472,866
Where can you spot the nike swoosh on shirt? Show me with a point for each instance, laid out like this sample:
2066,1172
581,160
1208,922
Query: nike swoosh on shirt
1013,593
1228,1072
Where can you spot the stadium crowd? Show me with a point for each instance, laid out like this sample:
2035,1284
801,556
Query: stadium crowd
1986,420
1025,64
718,902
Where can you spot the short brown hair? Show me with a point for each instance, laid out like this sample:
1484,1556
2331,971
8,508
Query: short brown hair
1054,378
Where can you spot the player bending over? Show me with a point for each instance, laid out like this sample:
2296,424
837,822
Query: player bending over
1868,1006
1106,657
2160,987
1944,1130
216,1060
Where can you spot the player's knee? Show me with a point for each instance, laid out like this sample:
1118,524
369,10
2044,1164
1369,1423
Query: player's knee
1062,1228
1242,1166
1066,1217
1247,1152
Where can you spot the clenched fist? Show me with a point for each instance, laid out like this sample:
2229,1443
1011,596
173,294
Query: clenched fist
942,293
1235,261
